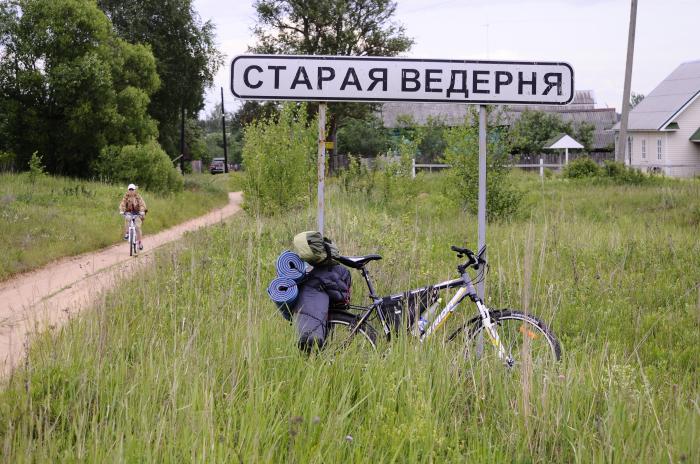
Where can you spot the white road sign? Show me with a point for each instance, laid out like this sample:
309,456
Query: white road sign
378,79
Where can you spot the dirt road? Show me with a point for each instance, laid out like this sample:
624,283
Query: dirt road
48,297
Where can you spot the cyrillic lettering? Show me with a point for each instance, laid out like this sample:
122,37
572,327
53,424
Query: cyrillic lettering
247,72
276,70
500,82
376,80
410,75
476,81
322,78
558,78
429,79
532,83
452,89
346,80
301,78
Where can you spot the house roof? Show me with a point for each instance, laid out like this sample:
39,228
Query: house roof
580,110
561,141
696,136
667,100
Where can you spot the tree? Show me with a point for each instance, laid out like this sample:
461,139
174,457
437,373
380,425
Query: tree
636,99
533,129
68,86
186,56
330,27
363,137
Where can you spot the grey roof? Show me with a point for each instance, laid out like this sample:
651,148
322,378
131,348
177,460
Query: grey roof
582,109
667,99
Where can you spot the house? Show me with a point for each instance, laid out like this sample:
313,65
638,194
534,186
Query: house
581,109
664,128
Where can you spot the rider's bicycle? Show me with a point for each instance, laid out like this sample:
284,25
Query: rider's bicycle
131,233
511,334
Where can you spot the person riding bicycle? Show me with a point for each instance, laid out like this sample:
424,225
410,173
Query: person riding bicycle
134,204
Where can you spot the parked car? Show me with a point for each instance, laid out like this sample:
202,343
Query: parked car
216,166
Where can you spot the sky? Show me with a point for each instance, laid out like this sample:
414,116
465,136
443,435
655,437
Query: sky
591,35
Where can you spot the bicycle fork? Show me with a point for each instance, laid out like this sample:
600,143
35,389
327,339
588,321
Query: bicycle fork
493,334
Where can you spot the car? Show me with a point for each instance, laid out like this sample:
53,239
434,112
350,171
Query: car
216,166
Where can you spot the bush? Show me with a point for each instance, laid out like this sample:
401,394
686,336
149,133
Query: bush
7,161
624,174
280,161
462,153
581,168
36,167
147,166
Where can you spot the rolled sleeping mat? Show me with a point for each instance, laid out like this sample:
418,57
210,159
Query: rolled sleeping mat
283,292
291,266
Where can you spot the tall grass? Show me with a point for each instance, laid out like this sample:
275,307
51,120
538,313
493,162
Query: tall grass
190,361
51,217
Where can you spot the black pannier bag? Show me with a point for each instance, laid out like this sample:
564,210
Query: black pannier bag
323,286
404,309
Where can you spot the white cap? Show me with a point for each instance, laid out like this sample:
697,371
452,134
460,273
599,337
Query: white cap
131,187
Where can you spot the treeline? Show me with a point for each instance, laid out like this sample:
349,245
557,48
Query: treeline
97,89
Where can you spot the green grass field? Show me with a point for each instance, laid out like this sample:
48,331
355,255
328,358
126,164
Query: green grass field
55,217
191,363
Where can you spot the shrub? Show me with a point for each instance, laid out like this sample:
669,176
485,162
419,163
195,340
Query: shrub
7,161
624,174
581,168
280,161
36,167
147,166
357,177
462,153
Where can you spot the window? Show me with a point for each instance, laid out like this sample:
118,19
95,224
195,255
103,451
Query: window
658,148
644,149
629,148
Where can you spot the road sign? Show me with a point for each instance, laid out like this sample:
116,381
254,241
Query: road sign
379,79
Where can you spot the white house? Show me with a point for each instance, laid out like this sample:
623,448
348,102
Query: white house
664,128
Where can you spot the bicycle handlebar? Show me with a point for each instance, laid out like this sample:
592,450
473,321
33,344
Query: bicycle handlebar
475,261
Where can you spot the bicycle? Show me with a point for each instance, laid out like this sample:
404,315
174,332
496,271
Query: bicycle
131,233
509,332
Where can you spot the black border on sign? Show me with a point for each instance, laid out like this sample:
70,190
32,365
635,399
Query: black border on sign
419,60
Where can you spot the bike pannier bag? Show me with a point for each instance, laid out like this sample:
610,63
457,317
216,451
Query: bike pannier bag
314,248
311,318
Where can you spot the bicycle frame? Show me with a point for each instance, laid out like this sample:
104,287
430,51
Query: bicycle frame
132,233
465,289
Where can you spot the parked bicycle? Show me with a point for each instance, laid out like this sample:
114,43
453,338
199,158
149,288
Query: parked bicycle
131,233
510,333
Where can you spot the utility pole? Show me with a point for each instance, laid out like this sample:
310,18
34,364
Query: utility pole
622,140
223,127
182,140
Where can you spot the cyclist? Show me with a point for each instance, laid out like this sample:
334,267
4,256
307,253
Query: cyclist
134,204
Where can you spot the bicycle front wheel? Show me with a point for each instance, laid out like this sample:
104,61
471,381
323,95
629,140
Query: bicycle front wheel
524,337
340,336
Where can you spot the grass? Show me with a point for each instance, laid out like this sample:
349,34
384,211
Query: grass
192,363
54,217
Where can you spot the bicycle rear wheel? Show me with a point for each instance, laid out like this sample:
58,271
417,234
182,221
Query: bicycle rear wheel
340,334
523,336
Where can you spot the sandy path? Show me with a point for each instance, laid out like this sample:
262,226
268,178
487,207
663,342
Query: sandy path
47,297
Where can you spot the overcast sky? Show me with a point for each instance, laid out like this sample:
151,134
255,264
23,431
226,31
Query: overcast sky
591,35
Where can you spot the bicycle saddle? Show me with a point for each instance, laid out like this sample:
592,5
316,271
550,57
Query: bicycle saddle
356,262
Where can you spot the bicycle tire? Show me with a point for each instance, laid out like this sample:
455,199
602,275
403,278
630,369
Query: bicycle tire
535,328
338,320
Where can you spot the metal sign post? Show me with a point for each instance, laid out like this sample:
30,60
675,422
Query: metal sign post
321,164
481,219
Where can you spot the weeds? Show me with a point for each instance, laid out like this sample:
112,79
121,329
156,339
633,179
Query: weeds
189,361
